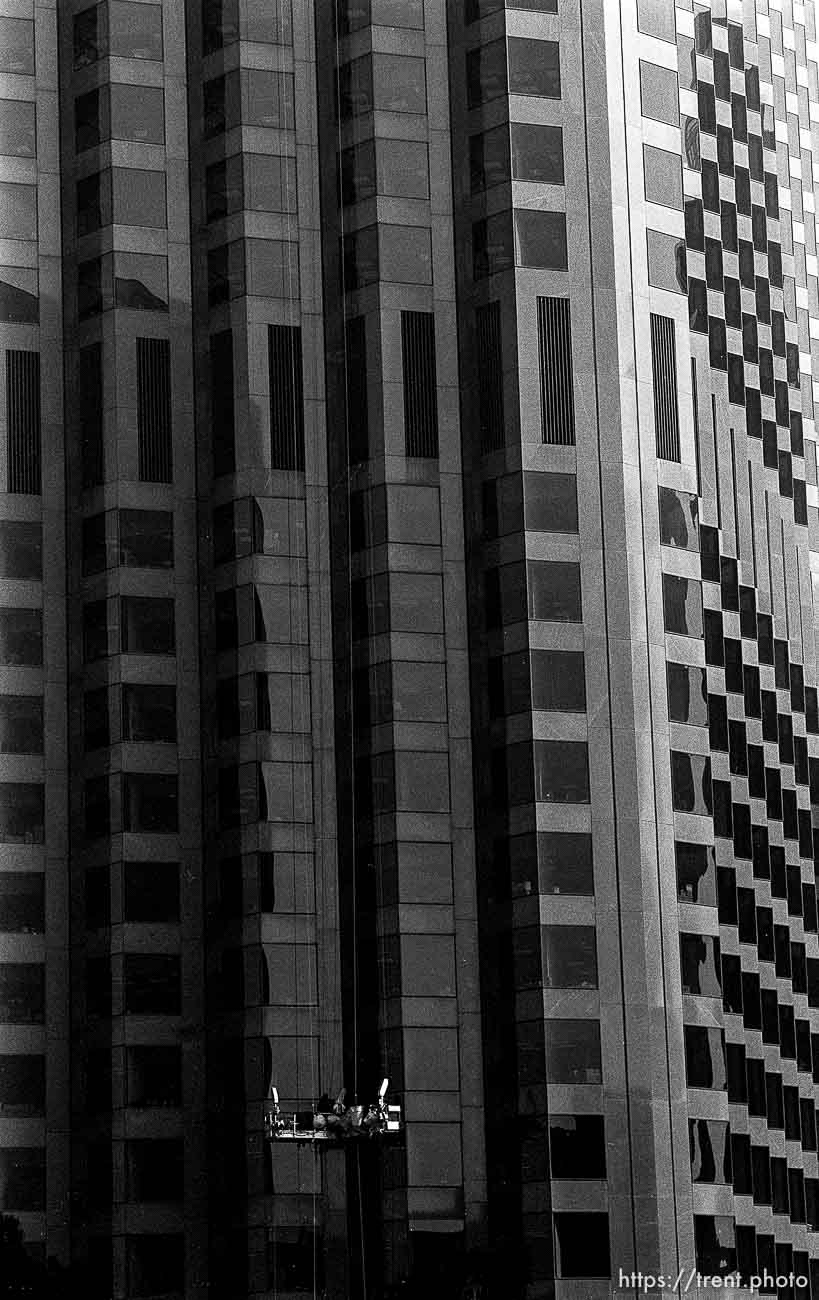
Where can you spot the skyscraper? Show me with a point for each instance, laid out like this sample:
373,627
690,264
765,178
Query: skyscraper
408,668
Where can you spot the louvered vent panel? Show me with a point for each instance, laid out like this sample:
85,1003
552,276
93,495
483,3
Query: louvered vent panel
286,397
490,377
420,384
23,422
222,417
556,372
154,410
358,431
91,422
664,368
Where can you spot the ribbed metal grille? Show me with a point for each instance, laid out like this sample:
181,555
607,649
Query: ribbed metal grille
23,421
91,407
664,367
154,410
490,376
420,384
358,432
554,329
223,420
286,397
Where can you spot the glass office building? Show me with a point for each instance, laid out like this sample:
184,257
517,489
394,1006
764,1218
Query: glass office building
409,529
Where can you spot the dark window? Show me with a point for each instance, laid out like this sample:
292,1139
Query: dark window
137,113
577,1146
22,993
490,376
540,239
23,421
21,549
573,1051
700,965
155,1169
154,1076
550,502
22,1086
565,863
135,30
554,591
582,1244
664,371
695,873
534,67
147,625
96,720
556,371
691,783
150,803
146,539
704,1057
687,694
286,397
561,771
23,1175
154,427
355,360
710,1151
152,985
91,414
420,384
88,43
569,957
150,891
222,414
155,1265
22,902
21,637
537,153
149,713
714,1244
558,680
21,724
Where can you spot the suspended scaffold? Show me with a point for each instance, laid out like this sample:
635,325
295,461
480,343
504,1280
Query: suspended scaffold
333,1123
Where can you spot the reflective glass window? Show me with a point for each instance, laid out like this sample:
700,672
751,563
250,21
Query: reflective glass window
489,158
399,84
682,605
540,239
554,591
154,1169
267,99
146,539
137,113
268,21
155,1264
17,46
687,694
19,299
710,1151
96,719
21,637
147,625
18,134
486,74
572,1050
679,519
657,18
561,771
566,863
18,210
534,67
569,957
666,262
691,783
21,725
550,502
139,197
405,254
22,902
270,183
397,13
558,680
272,268
663,177
700,965
704,1057
93,203
403,169
537,153
659,94
135,30
141,282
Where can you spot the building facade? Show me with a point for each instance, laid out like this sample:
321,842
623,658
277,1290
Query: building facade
408,525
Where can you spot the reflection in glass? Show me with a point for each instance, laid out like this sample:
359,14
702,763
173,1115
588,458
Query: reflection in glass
135,30
687,694
19,299
691,783
141,282
700,965
682,605
534,67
